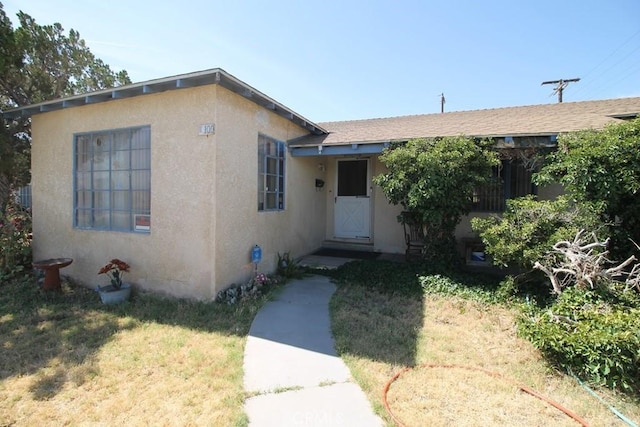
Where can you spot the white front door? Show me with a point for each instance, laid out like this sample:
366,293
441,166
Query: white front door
352,203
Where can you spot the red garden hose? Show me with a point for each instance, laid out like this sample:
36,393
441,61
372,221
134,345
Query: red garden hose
526,389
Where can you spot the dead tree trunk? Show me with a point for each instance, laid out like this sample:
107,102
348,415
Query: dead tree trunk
582,264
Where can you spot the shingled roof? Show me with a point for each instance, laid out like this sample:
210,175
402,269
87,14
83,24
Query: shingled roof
533,120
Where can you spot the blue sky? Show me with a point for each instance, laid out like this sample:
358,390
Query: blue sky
343,60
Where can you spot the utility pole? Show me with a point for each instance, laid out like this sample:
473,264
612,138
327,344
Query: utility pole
442,101
561,84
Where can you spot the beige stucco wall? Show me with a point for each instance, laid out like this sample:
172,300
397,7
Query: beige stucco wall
239,226
204,217
388,232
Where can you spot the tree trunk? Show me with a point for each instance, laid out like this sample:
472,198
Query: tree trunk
5,191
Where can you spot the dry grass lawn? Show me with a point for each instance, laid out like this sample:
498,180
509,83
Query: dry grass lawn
68,360
65,359
378,334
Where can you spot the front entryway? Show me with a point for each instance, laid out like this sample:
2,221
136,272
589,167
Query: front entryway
352,212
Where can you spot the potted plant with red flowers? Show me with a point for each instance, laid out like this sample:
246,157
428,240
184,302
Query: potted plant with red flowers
117,291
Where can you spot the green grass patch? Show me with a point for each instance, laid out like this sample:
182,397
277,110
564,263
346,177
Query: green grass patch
415,279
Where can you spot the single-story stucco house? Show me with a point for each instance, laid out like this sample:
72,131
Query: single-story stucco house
182,176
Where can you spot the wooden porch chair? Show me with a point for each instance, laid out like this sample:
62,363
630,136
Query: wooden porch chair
414,236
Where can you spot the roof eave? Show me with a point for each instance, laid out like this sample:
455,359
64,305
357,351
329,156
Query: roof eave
199,78
541,140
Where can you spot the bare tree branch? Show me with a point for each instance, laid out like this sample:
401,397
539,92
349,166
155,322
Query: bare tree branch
584,264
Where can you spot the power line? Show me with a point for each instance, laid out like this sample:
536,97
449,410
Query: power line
632,72
561,85
611,54
590,82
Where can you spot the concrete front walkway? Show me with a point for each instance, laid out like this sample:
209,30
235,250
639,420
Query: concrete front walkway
291,364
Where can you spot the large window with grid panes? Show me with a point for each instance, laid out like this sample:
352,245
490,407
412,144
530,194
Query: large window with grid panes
271,173
510,179
112,180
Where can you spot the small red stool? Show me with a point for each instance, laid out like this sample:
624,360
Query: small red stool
51,269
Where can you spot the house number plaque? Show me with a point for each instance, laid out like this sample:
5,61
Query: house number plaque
207,129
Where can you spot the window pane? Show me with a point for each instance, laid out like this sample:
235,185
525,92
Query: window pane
270,148
121,160
101,180
120,180
352,178
121,221
141,202
520,180
141,180
83,181
141,138
140,159
272,164
121,141
271,182
101,219
101,200
121,200
83,218
101,143
101,161
83,153
84,199
271,201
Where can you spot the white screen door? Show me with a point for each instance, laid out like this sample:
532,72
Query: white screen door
352,202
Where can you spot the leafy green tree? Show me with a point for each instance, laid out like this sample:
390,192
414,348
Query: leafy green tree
602,167
39,63
434,179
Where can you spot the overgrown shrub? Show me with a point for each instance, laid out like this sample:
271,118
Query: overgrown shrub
595,333
529,228
15,240
601,166
435,179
